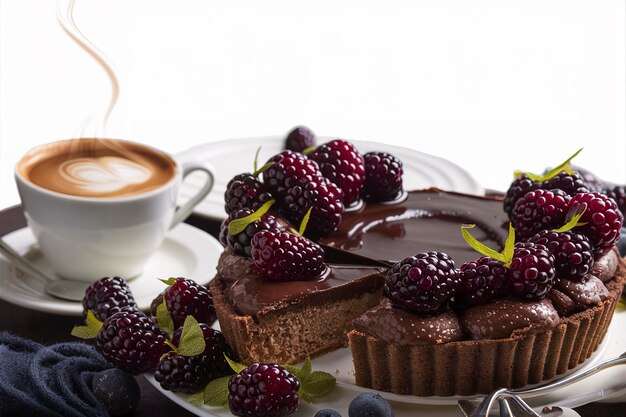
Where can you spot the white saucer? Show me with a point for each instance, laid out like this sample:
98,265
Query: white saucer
234,156
186,252
598,387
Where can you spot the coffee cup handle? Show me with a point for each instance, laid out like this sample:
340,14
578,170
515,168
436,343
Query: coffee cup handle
186,209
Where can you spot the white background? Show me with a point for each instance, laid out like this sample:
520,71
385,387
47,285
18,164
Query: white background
491,85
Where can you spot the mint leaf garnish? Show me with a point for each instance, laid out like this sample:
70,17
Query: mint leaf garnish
164,319
506,256
235,366
305,222
216,392
170,281
573,217
564,166
239,225
91,328
197,398
313,385
191,339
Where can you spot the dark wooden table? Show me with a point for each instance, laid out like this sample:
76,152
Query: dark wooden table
47,328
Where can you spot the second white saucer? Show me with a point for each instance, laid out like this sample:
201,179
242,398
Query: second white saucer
186,252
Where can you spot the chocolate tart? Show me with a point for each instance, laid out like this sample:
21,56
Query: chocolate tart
284,322
501,346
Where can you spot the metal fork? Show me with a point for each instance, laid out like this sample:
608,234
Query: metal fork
513,406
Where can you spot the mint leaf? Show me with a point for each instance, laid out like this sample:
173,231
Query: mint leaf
164,319
91,328
197,398
170,281
191,339
305,222
478,246
235,366
239,225
316,385
216,392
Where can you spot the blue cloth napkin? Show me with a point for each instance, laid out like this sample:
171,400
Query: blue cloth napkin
38,380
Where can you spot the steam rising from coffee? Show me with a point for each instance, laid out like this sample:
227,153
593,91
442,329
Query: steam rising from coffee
83,169
65,17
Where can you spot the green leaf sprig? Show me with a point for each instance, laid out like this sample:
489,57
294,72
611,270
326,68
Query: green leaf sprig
506,256
163,317
305,222
239,225
313,384
574,219
90,329
564,166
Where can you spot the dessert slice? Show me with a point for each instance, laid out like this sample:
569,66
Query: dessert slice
284,322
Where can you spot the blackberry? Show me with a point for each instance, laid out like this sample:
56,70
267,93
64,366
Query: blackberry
531,273
423,283
617,193
603,218
589,177
241,241
283,256
571,184
300,138
573,253
538,210
245,191
383,176
342,164
131,342
191,373
263,390
326,200
188,298
481,281
520,186
289,169
108,296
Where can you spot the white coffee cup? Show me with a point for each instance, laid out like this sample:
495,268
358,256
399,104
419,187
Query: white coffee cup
85,238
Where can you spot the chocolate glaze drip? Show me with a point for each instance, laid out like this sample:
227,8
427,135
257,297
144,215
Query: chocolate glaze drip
424,221
399,326
500,318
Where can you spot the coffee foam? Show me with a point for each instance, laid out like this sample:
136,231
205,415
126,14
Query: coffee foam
96,167
103,175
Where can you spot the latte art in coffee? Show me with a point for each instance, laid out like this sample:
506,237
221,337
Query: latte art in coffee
92,167
103,175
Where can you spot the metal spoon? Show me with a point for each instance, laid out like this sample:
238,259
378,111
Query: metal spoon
59,288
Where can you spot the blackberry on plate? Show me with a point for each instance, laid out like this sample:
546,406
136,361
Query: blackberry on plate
531,273
185,297
241,241
300,138
108,296
245,191
539,210
324,197
284,256
569,183
520,186
573,253
289,169
481,281
423,283
383,176
131,341
191,373
603,218
263,390
342,164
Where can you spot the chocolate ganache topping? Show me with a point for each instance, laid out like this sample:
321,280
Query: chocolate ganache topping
252,295
423,221
500,318
397,325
